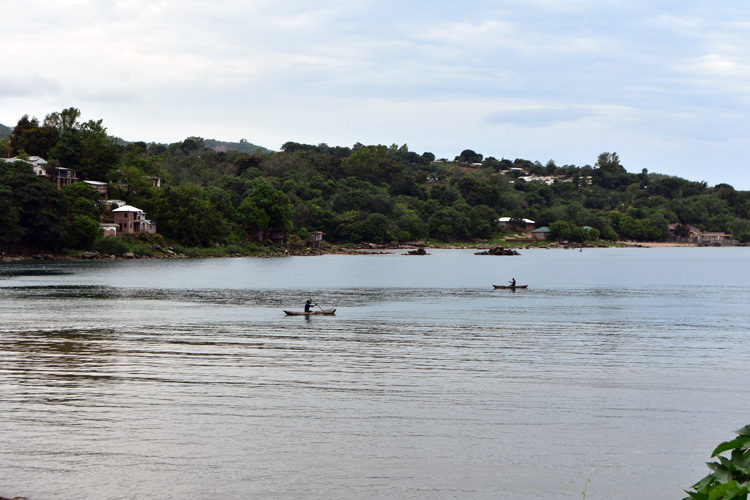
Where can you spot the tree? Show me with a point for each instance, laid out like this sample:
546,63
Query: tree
222,202
192,144
411,227
469,156
550,168
99,153
428,157
30,138
67,150
83,200
610,174
364,162
265,208
129,179
568,231
10,227
63,121
448,224
183,213
86,148
483,221
81,232
378,228
609,163
37,206
478,193
274,202
254,219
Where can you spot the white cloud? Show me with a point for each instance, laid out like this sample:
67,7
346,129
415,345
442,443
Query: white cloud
27,85
536,79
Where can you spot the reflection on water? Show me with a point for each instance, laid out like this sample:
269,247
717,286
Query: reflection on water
126,380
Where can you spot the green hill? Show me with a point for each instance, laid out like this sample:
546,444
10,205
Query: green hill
5,131
222,146
243,146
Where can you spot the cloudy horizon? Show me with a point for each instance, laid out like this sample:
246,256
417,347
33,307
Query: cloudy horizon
664,84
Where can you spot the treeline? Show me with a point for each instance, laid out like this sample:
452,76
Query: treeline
370,193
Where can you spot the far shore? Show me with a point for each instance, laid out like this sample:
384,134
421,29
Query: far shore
359,249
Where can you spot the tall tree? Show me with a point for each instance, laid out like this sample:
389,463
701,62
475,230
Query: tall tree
65,120
28,137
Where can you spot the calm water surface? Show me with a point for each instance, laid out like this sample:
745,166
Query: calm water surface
184,379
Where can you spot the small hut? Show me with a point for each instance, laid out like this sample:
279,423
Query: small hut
540,234
315,239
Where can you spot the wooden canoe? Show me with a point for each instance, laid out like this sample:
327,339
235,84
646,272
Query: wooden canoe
323,312
512,287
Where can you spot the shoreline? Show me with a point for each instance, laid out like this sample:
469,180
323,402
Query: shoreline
359,249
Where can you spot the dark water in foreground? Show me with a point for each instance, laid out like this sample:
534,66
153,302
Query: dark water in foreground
183,379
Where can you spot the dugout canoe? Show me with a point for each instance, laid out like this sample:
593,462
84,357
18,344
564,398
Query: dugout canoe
512,287
323,312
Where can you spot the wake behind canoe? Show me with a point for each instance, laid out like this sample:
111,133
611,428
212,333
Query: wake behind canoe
324,312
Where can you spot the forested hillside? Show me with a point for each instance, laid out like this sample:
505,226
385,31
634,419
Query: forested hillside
372,193
5,131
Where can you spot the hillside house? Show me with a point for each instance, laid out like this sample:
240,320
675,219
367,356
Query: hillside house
64,176
108,229
102,187
547,179
130,220
38,164
61,176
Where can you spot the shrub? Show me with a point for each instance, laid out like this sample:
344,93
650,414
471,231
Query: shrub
304,234
82,231
253,249
144,250
730,478
235,249
295,241
111,246
188,251
212,252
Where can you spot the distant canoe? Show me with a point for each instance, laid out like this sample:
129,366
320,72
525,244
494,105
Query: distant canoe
323,312
512,287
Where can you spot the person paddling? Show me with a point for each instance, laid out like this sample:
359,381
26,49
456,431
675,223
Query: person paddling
308,305
513,282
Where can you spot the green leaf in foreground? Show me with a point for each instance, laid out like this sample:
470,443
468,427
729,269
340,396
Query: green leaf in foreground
730,479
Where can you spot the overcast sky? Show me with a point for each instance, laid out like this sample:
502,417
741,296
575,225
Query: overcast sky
664,83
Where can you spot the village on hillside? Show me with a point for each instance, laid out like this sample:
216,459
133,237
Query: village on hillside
121,218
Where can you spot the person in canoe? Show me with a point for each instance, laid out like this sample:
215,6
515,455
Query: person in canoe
308,305
512,282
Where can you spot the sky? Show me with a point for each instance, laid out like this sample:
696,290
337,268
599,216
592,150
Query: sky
663,83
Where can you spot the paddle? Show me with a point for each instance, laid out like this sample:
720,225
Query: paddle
311,300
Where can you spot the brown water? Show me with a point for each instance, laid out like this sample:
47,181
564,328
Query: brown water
183,379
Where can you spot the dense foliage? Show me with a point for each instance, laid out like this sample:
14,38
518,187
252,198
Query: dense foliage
364,193
730,477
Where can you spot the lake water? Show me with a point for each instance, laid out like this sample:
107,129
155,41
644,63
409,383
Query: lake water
174,379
